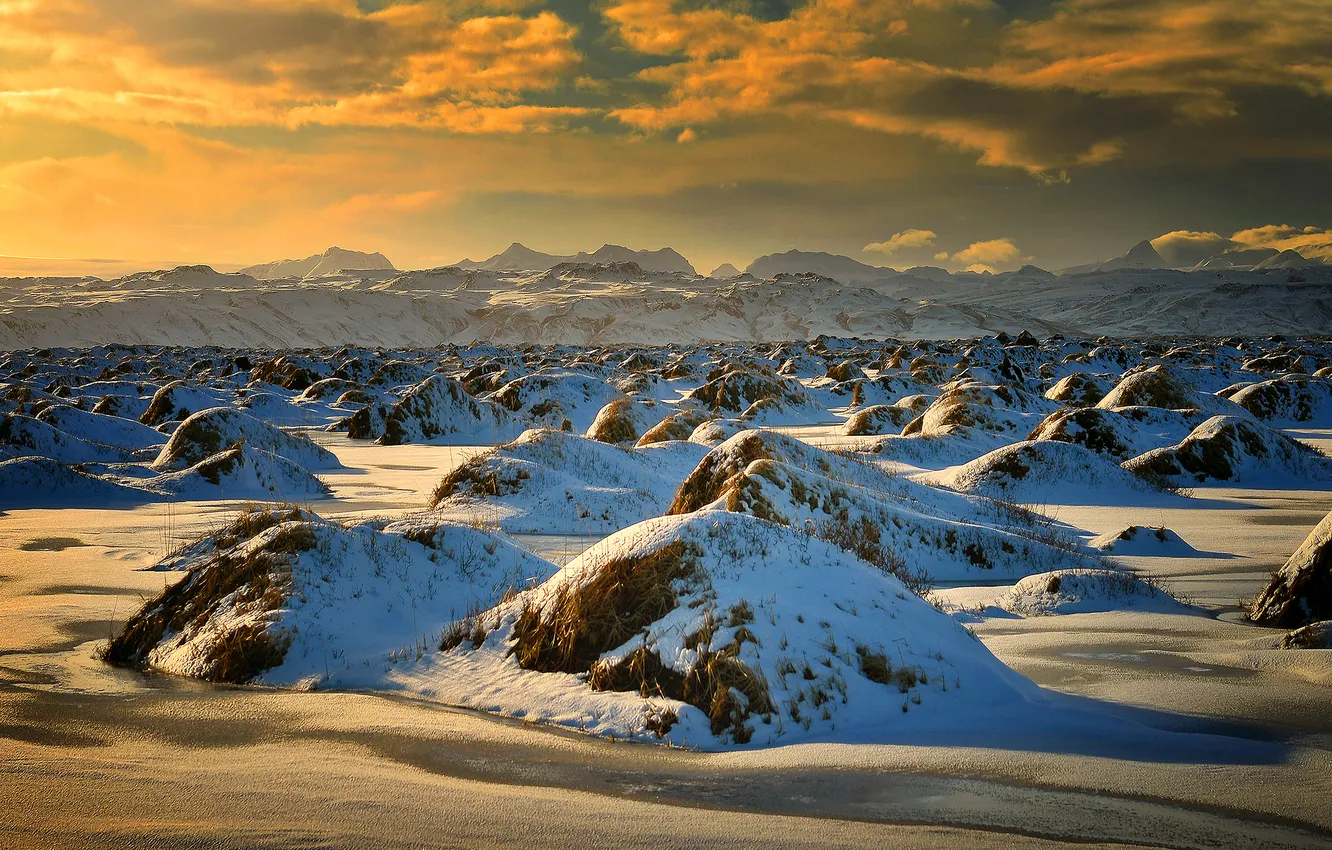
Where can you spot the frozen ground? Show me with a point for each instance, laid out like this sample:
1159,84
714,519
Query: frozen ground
98,756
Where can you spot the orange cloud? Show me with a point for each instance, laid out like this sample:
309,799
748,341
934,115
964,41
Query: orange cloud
284,62
910,238
1312,242
988,256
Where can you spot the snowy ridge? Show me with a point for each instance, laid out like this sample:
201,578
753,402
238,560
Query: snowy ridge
194,307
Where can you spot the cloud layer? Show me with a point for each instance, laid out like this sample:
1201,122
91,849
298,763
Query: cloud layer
144,126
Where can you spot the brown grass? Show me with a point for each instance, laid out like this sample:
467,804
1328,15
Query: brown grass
257,583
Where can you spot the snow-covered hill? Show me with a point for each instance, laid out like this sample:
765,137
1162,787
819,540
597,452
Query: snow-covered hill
624,302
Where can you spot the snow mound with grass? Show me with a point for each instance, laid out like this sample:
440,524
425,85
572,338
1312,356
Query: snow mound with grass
208,432
288,599
624,421
123,406
177,400
1047,472
1077,390
1121,433
721,629
915,532
677,426
24,436
124,434
1087,592
554,482
758,394
1140,540
1313,636
39,482
242,472
397,374
1157,386
1301,591
557,398
1233,450
714,432
878,419
1291,400
974,418
327,388
439,410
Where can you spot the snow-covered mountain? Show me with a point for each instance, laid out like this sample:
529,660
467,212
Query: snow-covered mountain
1288,259
1145,256
316,265
519,257
1140,256
829,265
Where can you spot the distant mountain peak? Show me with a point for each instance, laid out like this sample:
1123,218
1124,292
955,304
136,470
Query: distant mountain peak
330,261
1143,255
518,257
835,266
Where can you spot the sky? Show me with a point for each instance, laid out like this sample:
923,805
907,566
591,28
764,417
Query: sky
958,133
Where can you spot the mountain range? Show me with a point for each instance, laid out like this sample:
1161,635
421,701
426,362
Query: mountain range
518,257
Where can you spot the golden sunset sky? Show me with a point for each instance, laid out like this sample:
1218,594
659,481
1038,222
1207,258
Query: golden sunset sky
143,133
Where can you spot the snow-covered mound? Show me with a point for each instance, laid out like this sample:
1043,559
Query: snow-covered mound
177,400
981,416
207,432
288,599
1087,592
677,426
366,423
1313,636
1137,540
1290,400
724,629
1047,472
124,406
1077,390
125,434
439,410
878,419
1235,450
1301,591
916,532
714,432
24,436
759,396
39,482
1121,433
326,389
554,482
241,472
769,412
888,389
399,373
551,398
624,421
1157,386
